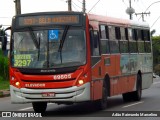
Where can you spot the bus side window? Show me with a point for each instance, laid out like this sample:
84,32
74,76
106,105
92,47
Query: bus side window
124,47
140,41
104,39
134,34
118,33
146,35
114,34
147,41
132,40
95,49
126,34
140,34
104,32
111,30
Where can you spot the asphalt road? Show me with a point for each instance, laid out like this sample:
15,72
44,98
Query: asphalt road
150,103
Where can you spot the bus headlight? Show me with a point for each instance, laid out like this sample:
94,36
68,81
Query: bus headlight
17,84
80,82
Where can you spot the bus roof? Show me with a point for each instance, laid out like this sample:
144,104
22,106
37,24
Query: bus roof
116,21
139,24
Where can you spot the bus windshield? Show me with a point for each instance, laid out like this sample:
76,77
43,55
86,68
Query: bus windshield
44,49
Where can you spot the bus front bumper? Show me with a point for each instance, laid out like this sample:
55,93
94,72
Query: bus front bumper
64,95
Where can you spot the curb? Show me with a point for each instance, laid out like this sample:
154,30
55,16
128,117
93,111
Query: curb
4,93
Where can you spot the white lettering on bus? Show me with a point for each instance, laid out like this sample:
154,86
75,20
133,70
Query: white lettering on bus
62,77
35,85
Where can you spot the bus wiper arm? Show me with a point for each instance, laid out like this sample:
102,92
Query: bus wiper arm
63,38
39,47
34,38
62,41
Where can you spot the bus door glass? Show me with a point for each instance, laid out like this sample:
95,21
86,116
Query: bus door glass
95,46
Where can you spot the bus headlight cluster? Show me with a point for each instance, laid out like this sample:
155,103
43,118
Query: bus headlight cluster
15,82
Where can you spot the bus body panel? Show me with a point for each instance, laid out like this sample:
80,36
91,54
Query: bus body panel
121,68
47,81
71,94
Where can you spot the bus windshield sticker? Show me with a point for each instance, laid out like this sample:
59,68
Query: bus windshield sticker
22,60
53,35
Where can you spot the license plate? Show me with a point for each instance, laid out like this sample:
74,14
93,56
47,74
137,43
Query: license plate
48,94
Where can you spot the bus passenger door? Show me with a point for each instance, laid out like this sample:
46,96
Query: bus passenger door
96,83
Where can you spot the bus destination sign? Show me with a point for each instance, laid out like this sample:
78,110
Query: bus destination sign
48,20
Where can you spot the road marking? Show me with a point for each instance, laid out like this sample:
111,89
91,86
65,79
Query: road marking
156,83
23,109
132,104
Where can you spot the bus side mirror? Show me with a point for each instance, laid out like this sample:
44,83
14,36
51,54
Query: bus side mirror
4,43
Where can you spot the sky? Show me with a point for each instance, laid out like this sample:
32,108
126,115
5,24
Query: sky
113,8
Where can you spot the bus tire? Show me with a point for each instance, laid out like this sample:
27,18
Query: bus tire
102,103
127,97
137,95
39,107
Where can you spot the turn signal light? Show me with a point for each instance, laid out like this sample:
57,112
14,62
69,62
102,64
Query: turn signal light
12,78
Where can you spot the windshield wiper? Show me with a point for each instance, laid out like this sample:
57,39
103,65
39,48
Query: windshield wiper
62,41
35,41
39,40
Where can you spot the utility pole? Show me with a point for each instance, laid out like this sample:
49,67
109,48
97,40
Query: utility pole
84,6
130,6
142,14
69,5
18,7
130,10
150,6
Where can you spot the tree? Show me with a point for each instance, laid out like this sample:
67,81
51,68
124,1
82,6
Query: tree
3,38
157,69
153,32
156,53
4,71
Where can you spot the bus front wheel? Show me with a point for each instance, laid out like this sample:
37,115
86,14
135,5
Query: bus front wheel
102,103
39,107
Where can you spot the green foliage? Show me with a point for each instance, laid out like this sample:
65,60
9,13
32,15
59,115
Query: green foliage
156,53
4,84
157,69
4,69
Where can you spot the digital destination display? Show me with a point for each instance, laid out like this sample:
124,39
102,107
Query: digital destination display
48,20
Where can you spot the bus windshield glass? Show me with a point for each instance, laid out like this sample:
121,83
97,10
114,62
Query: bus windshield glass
44,49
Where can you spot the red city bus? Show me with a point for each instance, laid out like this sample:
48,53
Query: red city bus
72,57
